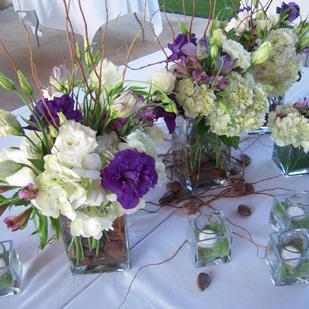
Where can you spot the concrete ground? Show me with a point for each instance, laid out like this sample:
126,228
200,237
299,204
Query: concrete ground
54,48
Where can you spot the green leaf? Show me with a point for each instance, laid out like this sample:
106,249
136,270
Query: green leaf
230,140
43,228
183,28
8,168
56,226
38,163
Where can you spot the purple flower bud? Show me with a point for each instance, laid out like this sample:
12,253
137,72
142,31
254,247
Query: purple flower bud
14,223
28,192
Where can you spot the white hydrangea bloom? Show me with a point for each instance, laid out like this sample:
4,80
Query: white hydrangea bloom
237,52
289,127
281,68
196,100
242,110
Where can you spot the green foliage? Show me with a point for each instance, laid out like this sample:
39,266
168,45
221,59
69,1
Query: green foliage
8,168
6,281
223,8
232,141
24,84
221,247
302,270
6,83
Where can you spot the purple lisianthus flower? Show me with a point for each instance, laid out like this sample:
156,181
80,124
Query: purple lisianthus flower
129,175
168,117
291,9
46,112
179,42
243,9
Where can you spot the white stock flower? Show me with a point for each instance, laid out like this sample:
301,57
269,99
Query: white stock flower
108,72
73,143
126,104
163,80
9,124
237,52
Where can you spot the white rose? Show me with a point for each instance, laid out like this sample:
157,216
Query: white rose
163,80
109,75
73,143
126,104
9,124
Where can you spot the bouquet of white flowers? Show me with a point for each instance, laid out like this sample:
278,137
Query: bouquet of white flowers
289,125
252,26
86,158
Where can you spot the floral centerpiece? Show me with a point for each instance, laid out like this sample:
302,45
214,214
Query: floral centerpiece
252,26
289,125
87,157
217,100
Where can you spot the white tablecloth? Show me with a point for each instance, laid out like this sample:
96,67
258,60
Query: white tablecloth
52,13
241,284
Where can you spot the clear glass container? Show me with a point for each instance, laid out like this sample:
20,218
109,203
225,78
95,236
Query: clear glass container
111,254
290,211
10,269
201,160
210,239
287,257
291,161
273,102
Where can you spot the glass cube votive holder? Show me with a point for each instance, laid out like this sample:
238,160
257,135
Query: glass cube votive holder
10,269
287,257
290,160
290,211
210,239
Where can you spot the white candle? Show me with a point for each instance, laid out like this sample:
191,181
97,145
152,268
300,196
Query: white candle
292,255
207,239
2,264
295,211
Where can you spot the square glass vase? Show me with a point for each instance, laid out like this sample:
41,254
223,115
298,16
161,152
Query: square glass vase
291,161
201,159
110,253
287,257
210,239
10,269
290,211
